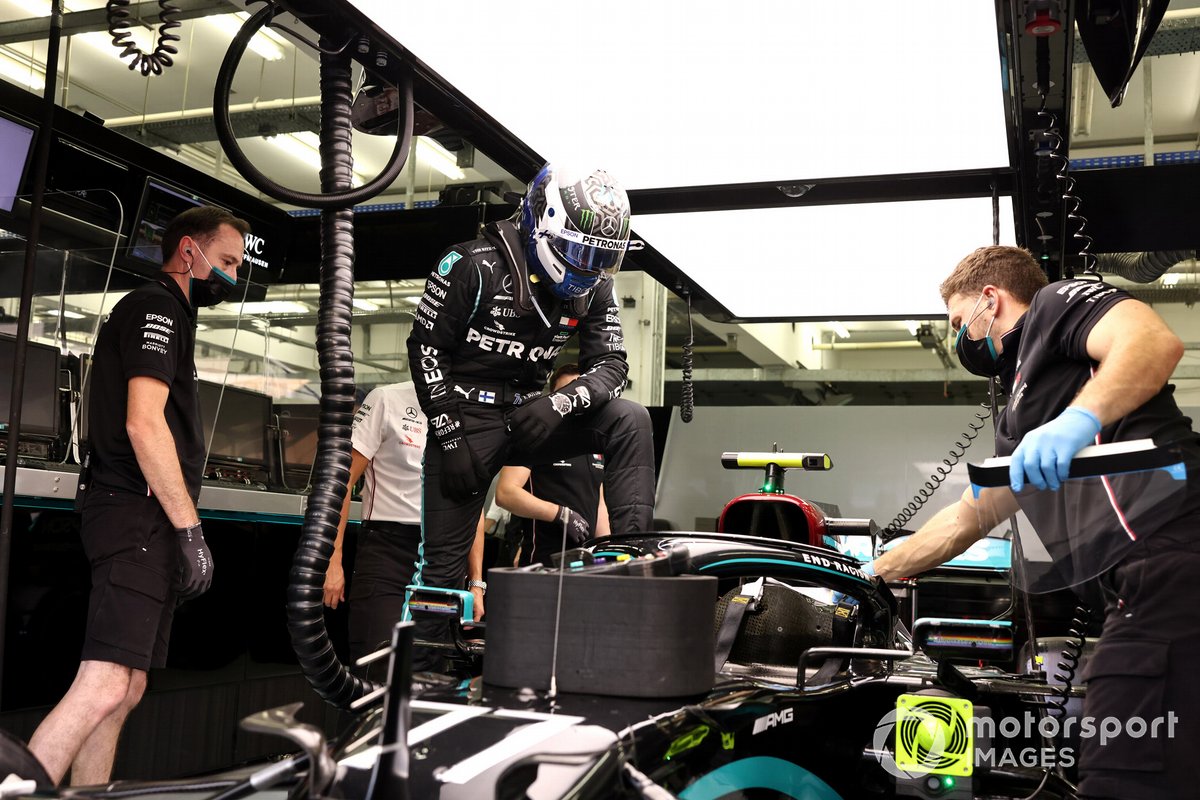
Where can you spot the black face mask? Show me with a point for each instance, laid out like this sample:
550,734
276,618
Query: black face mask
979,356
214,289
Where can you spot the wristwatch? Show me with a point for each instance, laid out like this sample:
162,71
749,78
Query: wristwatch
478,585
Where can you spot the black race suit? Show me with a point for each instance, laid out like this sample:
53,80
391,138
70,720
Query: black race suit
484,341
1144,665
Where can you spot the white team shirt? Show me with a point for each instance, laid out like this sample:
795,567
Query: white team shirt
389,429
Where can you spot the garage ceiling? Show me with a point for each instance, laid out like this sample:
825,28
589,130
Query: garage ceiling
274,98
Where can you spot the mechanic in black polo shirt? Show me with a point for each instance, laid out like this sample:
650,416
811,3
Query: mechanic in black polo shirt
140,528
1085,363
552,496
495,314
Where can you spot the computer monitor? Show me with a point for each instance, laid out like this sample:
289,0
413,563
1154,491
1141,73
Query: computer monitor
240,417
161,202
16,143
298,432
40,406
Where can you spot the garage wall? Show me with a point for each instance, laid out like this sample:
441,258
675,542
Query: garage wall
881,456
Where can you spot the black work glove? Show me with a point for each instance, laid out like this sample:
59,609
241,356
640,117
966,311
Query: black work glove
577,527
196,561
463,476
532,423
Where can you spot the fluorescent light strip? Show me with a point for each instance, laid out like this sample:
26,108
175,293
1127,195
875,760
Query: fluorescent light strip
22,74
67,314
230,24
839,329
275,307
364,305
143,38
438,157
291,144
266,31
303,146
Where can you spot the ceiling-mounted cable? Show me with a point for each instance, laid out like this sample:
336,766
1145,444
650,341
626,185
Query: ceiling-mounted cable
225,134
687,398
152,63
995,213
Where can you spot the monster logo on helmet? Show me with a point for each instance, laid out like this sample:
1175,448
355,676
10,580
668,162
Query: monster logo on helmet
576,229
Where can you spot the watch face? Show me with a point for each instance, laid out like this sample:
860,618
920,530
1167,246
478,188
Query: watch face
562,404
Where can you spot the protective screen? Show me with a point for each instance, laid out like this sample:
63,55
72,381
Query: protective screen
1074,534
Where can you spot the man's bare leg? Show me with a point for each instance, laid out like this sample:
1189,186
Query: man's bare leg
98,690
93,765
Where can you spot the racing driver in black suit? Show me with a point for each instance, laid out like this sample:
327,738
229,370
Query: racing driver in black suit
495,314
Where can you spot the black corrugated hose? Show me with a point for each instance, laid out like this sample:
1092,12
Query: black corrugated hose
305,607
305,604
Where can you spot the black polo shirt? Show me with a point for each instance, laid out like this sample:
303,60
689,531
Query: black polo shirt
1053,365
151,332
572,482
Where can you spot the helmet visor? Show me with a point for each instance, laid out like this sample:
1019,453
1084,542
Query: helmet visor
586,252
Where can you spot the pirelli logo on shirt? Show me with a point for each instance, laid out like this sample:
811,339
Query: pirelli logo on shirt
157,332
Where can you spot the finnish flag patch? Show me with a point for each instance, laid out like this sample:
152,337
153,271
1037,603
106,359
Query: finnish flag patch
487,397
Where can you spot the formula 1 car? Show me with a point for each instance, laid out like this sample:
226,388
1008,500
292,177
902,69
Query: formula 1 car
691,665
818,693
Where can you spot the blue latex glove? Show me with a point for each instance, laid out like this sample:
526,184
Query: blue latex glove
1045,453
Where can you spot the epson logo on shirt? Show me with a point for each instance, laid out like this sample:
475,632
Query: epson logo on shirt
160,318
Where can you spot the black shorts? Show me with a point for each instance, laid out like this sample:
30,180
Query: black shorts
134,554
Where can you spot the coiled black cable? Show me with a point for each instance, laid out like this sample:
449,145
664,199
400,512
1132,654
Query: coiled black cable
687,396
342,198
117,12
1069,658
939,475
1057,144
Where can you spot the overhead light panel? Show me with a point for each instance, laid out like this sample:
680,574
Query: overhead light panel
304,146
145,39
818,263
266,42
813,84
291,144
22,74
841,330
364,305
66,314
438,157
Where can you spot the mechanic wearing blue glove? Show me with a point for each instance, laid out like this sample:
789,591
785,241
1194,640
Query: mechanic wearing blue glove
1083,362
495,314
1045,454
